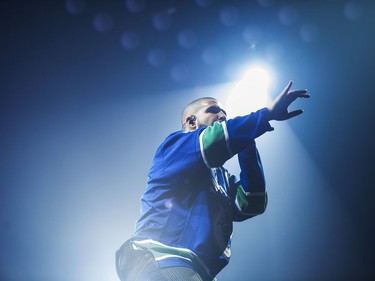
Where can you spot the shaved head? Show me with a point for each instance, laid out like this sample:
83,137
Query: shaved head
192,108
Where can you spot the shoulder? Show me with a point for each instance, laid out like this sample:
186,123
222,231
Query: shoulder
183,136
180,142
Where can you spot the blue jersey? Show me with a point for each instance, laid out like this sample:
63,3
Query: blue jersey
191,201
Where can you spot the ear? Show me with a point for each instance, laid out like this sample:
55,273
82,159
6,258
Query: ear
191,122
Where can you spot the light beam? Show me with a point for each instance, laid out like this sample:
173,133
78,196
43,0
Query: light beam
250,93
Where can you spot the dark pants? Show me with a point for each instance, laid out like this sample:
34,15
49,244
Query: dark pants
140,265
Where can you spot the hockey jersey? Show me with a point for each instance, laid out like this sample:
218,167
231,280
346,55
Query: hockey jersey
191,200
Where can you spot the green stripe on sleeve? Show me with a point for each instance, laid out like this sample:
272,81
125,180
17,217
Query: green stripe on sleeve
214,146
241,200
251,203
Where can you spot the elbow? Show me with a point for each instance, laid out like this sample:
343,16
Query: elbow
262,209
260,203
265,203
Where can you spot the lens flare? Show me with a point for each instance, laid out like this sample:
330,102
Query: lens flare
250,93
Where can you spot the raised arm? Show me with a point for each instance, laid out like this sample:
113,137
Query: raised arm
223,140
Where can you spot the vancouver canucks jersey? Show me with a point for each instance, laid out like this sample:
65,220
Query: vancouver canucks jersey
191,201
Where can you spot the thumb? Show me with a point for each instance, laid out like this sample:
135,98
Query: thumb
294,113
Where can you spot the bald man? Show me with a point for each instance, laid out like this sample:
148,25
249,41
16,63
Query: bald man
191,201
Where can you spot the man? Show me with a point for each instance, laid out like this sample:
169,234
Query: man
184,232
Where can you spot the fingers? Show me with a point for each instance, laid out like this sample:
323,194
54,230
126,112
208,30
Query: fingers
279,108
294,113
299,93
287,88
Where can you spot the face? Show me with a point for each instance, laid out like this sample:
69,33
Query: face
209,112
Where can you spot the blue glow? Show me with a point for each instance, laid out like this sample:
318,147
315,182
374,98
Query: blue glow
81,118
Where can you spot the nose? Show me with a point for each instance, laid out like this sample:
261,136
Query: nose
221,116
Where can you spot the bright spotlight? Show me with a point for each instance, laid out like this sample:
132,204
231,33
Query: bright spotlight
250,93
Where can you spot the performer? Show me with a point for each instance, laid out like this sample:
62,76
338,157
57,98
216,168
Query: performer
185,228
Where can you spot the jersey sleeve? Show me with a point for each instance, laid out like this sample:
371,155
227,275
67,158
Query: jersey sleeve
251,196
248,204
223,140
252,174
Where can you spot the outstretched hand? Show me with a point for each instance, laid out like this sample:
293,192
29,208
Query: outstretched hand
278,110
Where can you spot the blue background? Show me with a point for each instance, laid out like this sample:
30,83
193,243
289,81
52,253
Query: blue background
90,88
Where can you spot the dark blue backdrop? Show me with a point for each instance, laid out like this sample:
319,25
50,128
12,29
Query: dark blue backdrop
90,88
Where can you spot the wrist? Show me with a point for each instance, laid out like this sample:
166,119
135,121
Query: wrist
268,114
